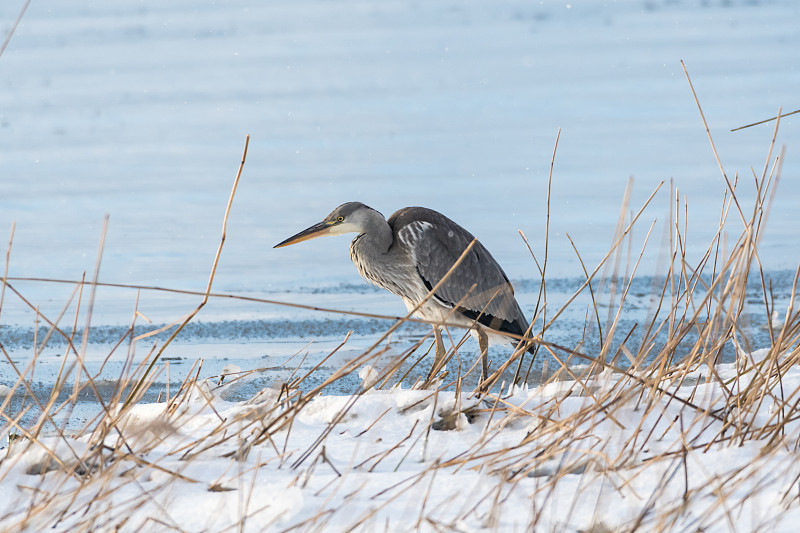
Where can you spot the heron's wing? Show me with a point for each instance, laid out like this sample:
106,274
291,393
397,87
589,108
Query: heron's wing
436,244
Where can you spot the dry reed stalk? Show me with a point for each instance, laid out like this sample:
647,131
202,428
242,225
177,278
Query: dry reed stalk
89,311
213,265
13,27
5,268
766,120
541,298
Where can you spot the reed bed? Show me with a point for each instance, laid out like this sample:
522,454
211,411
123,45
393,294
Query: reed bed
656,430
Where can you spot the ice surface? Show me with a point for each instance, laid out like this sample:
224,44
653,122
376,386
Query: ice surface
139,110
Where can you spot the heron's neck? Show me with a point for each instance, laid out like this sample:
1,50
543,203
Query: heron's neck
370,253
379,235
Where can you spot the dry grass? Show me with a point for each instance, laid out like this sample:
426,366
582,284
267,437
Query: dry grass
659,392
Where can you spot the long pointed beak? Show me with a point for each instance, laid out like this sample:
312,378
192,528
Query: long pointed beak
317,230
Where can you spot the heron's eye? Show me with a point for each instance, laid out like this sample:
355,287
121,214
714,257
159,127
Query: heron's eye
339,219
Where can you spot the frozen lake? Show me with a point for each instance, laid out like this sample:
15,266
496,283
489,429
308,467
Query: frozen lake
139,110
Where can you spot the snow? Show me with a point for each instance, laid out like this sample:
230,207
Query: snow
548,458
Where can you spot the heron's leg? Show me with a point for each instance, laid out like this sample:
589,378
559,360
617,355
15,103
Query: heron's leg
438,359
483,342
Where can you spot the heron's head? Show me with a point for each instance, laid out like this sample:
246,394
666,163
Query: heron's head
352,217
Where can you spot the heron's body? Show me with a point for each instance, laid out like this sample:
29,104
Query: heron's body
411,252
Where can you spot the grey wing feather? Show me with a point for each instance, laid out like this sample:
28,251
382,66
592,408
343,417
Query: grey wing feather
436,243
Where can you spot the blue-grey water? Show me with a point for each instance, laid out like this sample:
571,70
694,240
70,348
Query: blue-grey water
139,110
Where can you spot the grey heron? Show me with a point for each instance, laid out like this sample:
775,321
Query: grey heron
411,252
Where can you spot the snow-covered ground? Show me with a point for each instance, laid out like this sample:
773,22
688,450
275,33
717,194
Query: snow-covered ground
139,110
563,457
